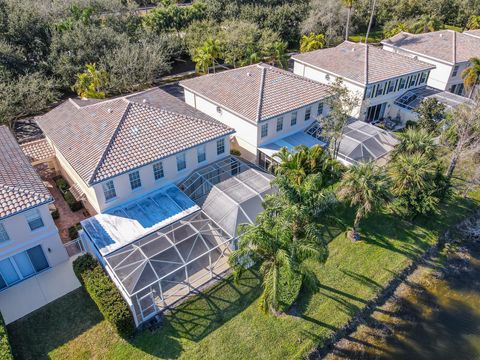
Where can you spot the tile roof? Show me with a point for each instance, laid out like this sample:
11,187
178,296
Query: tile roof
104,139
438,45
38,150
20,186
257,92
347,60
473,32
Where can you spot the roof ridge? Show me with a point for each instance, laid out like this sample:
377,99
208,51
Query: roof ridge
260,96
114,135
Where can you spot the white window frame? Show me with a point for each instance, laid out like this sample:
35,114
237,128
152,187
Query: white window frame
158,172
279,125
32,216
220,146
264,130
181,161
293,118
201,153
109,193
135,180
320,109
308,111
455,70
4,237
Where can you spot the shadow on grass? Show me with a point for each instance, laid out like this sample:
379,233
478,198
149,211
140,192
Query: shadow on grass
35,335
198,316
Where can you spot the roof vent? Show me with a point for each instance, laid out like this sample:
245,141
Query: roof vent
353,49
109,111
219,110
249,74
144,101
135,130
441,35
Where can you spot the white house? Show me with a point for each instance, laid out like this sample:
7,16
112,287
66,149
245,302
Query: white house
375,76
449,51
29,240
268,107
112,151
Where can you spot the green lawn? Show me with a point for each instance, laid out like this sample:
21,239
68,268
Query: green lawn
226,323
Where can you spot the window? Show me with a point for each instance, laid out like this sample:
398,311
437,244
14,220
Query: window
413,80
380,89
279,124
201,154
293,119
135,181
320,109
423,78
391,86
158,170
402,84
3,234
181,161
308,113
455,71
368,93
109,190
21,266
264,130
34,219
220,146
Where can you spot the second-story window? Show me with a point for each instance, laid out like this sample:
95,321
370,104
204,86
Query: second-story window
34,219
109,190
181,161
135,181
3,234
413,80
368,93
380,89
308,113
293,119
158,170
401,84
279,124
455,71
423,78
391,86
320,109
264,130
220,146
201,154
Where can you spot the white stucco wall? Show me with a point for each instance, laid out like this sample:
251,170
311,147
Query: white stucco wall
122,182
22,238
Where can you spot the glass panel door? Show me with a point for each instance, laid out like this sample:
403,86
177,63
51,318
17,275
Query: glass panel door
24,264
37,257
8,272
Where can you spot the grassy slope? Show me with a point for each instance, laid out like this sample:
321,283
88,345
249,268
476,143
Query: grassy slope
225,322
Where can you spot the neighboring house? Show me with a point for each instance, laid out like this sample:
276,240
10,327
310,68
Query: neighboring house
449,51
29,239
112,151
375,76
475,33
268,107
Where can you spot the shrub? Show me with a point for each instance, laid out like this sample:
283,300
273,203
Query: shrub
62,184
73,232
72,202
410,124
105,294
55,214
5,349
289,291
235,152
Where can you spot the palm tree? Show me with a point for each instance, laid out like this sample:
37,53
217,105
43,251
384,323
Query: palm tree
427,23
417,183
206,55
471,74
415,141
277,55
349,5
366,187
312,42
91,82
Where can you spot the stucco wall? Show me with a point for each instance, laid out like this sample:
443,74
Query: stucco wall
22,238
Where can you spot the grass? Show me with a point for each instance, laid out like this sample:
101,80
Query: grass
226,322
374,37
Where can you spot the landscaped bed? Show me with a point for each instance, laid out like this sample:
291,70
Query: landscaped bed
226,322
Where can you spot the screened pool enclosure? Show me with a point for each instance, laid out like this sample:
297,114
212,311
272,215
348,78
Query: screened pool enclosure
165,245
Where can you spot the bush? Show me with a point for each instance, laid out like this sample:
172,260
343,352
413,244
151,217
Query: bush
411,124
62,184
105,294
235,152
55,214
72,202
5,349
288,292
73,232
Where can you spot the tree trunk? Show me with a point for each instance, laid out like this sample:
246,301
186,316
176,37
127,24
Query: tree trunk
454,160
354,233
348,23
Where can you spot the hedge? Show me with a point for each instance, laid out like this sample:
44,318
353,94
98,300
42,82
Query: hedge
105,294
5,349
72,203
62,184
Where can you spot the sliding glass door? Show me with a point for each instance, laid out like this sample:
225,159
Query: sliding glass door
21,266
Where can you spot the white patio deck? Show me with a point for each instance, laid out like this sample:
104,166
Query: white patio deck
37,291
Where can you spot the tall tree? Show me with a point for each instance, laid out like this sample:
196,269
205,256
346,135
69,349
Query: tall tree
470,76
430,113
415,141
312,42
465,124
91,83
206,56
349,5
366,188
341,103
